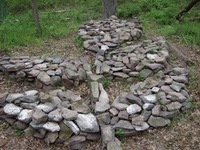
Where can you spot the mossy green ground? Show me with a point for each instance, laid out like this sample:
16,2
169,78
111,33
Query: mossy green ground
157,16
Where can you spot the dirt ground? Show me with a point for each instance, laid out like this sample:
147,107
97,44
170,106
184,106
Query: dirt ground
182,134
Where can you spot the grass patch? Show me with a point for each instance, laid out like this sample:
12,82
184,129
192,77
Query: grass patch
157,16
18,132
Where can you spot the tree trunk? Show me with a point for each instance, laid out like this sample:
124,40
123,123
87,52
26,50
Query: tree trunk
35,13
109,8
186,9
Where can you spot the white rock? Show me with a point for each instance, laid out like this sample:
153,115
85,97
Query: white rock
12,109
25,115
13,97
72,126
51,126
150,98
31,93
155,89
132,109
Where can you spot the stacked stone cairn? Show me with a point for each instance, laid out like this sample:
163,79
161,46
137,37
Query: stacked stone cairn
157,94
109,34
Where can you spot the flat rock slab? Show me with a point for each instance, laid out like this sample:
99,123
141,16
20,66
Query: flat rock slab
12,109
87,123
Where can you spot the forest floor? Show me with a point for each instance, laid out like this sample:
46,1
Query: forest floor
183,133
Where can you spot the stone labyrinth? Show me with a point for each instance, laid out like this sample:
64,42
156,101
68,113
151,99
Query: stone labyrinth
58,116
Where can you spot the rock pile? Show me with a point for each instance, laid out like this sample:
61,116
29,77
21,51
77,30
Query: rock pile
157,94
108,34
46,73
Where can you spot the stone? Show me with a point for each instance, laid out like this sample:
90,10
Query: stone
181,79
177,86
34,73
155,67
51,137
39,117
180,71
114,120
51,126
75,140
174,106
103,119
29,99
38,61
94,77
174,96
56,81
134,108
94,91
44,78
150,98
80,108
148,106
142,127
103,97
158,121
81,74
101,107
11,109
112,145
155,89
87,123
122,124
113,111
3,97
51,73
31,93
146,73
46,107
12,97
105,68
156,110
107,133
93,136
166,89
72,126
123,115
67,82
65,132
124,36
29,105
71,74
55,115
134,99
20,125
120,74
69,114
25,115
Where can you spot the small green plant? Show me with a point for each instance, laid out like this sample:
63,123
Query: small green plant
119,134
18,132
106,83
192,79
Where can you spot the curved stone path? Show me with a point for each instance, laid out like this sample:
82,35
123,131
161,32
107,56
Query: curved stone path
157,93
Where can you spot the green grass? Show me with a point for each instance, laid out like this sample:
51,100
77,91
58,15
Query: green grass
157,16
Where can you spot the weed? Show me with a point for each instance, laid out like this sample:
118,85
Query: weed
18,132
119,134
106,83
192,79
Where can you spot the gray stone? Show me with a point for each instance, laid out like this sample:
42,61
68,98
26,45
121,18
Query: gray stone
148,106
177,86
46,107
134,99
122,124
103,119
29,99
142,127
44,78
101,107
51,137
31,93
34,73
69,114
150,98
146,73
39,117
12,109
94,91
71,74
105,68
81,74
103,94
38,61
155,67
72,126
25,115
123,115
174,106
80,108
181,79
155,89
158,121
113,111
87,123
174,96
51,73
12,97
51,126
107,133
55,115
65,132
112,145
56,81
94,77
166,89
3,97
120,74
75,140
156,110
134,108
